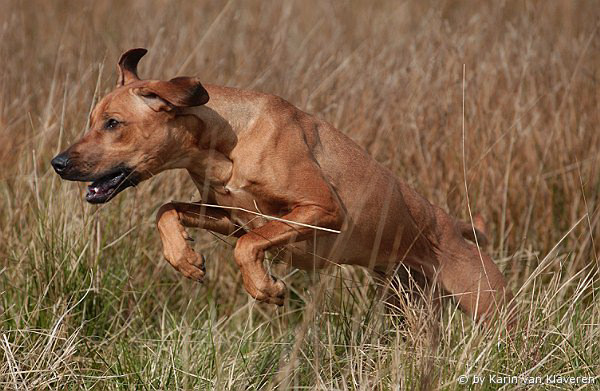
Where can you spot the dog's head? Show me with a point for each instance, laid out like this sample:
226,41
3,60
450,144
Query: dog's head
134,132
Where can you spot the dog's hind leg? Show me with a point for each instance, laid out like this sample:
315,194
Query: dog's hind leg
471,277
171,220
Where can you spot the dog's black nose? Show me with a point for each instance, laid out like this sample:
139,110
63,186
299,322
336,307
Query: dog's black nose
60,163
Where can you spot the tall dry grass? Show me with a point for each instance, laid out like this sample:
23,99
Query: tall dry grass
86,300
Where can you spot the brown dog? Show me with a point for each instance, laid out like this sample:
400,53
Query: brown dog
276,177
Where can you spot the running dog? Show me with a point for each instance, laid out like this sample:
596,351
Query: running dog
276,178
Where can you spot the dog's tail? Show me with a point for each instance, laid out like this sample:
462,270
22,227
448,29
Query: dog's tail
477,230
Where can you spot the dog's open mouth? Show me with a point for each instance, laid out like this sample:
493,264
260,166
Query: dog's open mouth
105,188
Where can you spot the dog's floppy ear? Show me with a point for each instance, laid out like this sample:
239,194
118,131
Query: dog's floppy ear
178,92
128,66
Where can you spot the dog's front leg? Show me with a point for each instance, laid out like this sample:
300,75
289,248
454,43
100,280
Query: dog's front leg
171,220
250,249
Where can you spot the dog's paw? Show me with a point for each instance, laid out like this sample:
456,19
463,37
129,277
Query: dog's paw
277,292
270,290
274,293
188,263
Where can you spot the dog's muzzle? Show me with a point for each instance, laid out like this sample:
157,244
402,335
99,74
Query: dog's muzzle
60,163
65,167
104,187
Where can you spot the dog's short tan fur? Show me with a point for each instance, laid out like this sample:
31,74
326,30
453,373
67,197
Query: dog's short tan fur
257,152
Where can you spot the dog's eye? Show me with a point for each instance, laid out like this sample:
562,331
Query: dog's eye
111,123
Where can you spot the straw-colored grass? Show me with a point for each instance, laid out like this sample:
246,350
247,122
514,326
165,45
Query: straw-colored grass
86,299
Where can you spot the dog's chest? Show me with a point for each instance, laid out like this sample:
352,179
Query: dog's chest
247,208
244,196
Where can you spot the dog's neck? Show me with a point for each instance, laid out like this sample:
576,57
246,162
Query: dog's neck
214,129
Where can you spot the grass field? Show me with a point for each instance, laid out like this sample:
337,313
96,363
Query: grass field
86,300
